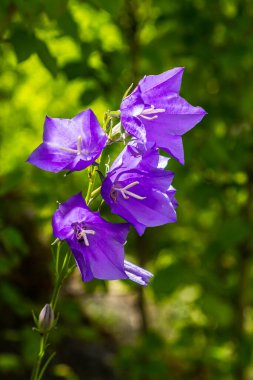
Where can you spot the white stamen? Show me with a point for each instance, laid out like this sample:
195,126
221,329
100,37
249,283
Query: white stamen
131,185
69,150
126,193
86,241
83,234
149,117
151,111
76,151
79,142
91,232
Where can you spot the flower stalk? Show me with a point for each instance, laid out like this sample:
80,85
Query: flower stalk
61,274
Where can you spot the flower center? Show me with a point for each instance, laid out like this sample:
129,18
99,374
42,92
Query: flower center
81,233
151,111
125,192
76,151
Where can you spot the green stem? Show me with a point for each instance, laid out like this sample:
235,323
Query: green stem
92,175
40,356
96,192
60,277
56,293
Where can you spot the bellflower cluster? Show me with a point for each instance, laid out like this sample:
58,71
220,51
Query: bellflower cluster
137,186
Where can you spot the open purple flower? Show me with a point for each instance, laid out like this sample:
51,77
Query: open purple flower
97,245
139,189
155,112
69,144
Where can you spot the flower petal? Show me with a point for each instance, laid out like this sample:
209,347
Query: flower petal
46,157
178,118
74,201
69,212
155,209
93,137
83,265
131,107
158,85
171,144
163,116
69,144
104,256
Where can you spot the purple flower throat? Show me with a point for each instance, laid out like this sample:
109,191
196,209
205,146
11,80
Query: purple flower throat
149,113
77,151
124,191
81,231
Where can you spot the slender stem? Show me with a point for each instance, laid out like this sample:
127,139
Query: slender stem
55,295
57,259
46,365
92,175
65,271
41,353
96,192
61,277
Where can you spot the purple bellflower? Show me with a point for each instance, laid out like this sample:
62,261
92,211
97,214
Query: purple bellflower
97,245
155,112
69,144
139,189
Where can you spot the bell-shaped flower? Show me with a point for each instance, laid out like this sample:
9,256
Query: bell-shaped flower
155,112
139,189
69,144
97,245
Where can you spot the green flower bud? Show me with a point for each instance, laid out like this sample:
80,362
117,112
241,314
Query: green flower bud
46,319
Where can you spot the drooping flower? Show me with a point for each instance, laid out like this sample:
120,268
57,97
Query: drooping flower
97,245
155,112
139,189
69,144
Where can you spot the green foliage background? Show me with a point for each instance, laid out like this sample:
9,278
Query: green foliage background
195,320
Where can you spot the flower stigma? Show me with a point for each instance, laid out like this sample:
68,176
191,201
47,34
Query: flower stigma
151,111
125,192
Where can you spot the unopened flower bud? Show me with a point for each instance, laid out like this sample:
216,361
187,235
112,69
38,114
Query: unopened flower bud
46,319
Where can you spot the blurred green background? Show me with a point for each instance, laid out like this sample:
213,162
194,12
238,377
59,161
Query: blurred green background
194,321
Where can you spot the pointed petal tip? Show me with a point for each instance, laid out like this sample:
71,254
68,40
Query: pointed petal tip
30,161
202,111
140,229
88,112
48,119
